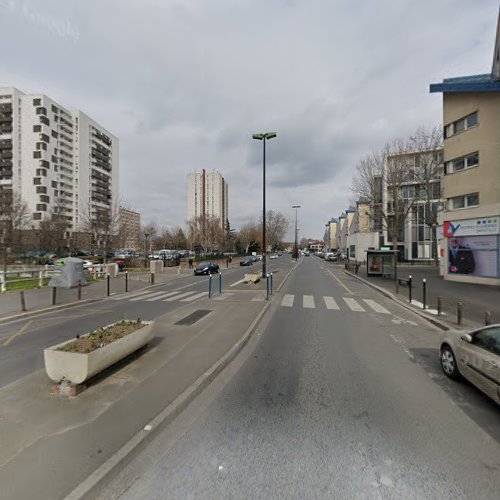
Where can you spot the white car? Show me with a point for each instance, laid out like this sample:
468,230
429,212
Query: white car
474,356
273,256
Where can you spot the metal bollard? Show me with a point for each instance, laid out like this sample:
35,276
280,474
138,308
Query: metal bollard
40,279
271,284
440,306
459,313
152,278
409,287
220,282
79,290
53,295
108,278
424,292
23,302
126,281
210,286
487,318
267,286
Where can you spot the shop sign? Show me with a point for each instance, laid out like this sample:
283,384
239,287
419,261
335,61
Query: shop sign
471,227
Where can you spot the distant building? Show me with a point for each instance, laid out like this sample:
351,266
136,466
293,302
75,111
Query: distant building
130,229
207,196
59,161
470,221
330,237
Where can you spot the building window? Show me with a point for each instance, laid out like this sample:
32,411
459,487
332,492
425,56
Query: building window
462,163
41,189
37,128
41,207
37,216
460,125
37,102
37,181
37,154
465,201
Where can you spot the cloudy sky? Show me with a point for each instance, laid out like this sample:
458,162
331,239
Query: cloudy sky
185,83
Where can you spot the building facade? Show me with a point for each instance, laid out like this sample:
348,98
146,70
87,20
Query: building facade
207,196
130,229
470,221
57,160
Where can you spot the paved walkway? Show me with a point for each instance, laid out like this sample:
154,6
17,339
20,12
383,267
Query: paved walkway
476,299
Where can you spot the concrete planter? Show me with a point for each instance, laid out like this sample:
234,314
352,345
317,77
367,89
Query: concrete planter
77,368
252,277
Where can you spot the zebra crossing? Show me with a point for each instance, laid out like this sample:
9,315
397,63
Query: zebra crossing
164,296
352,304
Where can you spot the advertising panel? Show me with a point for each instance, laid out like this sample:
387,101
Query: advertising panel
473,255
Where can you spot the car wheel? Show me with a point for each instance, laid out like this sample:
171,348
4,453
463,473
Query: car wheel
449,363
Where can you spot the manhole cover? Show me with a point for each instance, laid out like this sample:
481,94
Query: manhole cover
193,317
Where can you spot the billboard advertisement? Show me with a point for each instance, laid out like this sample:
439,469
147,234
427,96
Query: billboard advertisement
474,256
471,227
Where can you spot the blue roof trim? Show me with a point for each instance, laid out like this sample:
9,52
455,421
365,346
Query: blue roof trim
471,83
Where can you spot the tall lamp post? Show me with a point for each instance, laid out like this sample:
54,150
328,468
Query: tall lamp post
264,138
296,249
146,249
329,236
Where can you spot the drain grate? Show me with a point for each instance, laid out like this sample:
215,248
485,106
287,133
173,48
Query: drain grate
193,317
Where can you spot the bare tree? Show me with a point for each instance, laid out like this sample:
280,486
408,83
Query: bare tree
178,238
428,171
276,228
249,235
14,216
102,226
206,232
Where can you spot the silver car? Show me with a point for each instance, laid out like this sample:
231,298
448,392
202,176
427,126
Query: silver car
474,356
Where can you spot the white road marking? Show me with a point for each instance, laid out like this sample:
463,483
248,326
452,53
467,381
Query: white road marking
237,282
163,296
340,282
131,295
287,300
182,295
308,302
194,297
149,295
331,303
376,307
353,305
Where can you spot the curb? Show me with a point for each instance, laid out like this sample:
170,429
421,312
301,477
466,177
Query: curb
440,324
90,487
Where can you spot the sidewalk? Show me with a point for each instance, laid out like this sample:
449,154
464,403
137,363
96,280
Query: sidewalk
476,299
49,444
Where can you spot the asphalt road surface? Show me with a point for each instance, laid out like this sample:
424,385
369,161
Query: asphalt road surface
338,395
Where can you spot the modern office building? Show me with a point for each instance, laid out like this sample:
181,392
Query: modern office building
207,196
470,220
57,160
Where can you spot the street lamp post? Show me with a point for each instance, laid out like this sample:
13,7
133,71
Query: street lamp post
263,138
296,249
146,249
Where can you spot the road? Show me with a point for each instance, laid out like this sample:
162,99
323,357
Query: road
22,341
338,395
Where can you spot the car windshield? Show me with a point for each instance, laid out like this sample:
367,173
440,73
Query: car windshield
203,264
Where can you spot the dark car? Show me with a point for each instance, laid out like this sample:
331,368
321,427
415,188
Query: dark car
247,261
206,268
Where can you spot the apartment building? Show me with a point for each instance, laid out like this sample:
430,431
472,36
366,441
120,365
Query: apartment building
207,196
57,160
415,192
130,229
330,237
470,221
360,236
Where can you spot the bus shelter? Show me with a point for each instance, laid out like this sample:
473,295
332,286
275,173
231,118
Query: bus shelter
381,263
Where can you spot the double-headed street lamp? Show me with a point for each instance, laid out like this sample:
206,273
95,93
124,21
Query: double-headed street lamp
263,138
296,250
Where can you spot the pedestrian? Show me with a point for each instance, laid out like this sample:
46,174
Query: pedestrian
190,263
230,259
227,263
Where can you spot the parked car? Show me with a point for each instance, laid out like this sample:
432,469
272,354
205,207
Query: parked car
274,256
474,356
246,261
206,268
